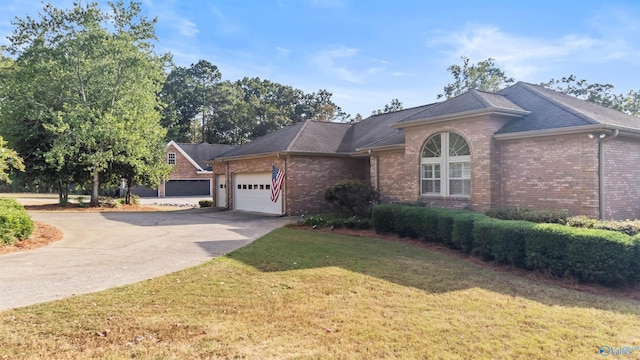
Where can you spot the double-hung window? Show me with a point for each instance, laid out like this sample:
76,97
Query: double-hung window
445,166
171,158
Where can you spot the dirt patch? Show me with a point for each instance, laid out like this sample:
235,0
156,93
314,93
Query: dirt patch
629,292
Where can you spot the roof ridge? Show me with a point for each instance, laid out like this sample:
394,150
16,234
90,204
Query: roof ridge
533,89
304,125
476,94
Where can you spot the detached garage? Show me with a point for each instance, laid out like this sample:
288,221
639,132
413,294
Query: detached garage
252,192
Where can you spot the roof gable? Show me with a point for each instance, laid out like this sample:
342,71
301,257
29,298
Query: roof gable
471,102
551,109
199,154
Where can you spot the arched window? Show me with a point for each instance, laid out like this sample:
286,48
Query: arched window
445,166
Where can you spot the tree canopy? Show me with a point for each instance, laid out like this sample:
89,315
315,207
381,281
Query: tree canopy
9,160
394,105
201,108
484,75
81,99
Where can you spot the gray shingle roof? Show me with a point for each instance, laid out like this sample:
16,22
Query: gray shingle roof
307,136
377,127
535,107
469,101
551,109
201,153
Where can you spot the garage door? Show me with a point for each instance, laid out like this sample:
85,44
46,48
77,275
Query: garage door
187,188
252,192
221,190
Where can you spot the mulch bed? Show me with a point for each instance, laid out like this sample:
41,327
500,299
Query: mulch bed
43,234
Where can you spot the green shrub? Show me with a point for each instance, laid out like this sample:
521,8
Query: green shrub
407,221
482,237
546,248
462,234
382,218
337,222
445,225
15,223
629,227
600,256
606,257
508,241
427,226
205,203
536,216
10,203
352,197
635,258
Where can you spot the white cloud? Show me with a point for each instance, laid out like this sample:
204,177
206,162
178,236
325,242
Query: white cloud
347,64
519,56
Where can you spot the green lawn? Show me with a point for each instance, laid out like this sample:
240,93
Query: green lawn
297,294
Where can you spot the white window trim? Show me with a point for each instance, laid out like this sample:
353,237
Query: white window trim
444,160
169,158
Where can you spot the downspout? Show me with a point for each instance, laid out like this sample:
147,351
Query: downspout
601,188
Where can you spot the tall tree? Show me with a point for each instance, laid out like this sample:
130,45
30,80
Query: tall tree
484,75
395,105
99,77
206,77
597,93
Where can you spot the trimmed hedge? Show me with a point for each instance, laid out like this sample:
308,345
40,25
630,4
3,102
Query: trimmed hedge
462,234
508,241
589,255
15,223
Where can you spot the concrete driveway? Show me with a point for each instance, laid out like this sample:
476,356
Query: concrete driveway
108,249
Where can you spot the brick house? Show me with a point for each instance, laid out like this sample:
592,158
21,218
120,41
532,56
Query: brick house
191,174
525,146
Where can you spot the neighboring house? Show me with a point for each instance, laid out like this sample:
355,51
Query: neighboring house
191,174
525,146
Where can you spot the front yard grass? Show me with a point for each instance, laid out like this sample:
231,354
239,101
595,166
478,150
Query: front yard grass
298,294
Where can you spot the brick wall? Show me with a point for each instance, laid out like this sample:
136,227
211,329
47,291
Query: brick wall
551,173
485,166
307,177
393,183
622,178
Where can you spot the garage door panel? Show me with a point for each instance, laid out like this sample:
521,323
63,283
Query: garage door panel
252,192
187,188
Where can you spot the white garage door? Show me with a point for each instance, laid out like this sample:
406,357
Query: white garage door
252,192
221,190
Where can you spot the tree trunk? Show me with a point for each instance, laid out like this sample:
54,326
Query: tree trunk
127,197
63,193
95,186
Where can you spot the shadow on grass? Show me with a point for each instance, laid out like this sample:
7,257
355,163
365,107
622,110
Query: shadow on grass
293,249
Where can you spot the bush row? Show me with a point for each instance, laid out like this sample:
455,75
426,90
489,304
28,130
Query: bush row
589,255
15,224
629,227
352,222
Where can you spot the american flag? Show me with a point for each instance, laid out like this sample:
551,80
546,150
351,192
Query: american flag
277,178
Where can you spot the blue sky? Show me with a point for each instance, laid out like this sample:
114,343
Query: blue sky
367,52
